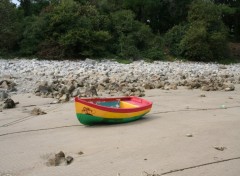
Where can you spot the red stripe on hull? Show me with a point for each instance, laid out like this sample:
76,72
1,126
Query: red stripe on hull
145,104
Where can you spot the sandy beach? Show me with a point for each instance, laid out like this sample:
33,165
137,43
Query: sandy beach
119,88
185,134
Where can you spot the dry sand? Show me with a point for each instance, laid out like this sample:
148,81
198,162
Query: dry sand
158,143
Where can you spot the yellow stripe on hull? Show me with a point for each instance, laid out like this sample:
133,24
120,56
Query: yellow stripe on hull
84,109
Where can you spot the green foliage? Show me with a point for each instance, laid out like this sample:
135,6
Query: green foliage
173,38
10,26
33,7
33,34
135,39
126,29
204,38
78,31
160,15
194,44
231,16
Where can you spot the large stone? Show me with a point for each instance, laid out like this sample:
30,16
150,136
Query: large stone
173,86
70,88
205,88
4,85
101,87
64,98
91,91
8,85
229,87
43,87
60,155
76,92
148,86
105,80
159,85
8,104
63,90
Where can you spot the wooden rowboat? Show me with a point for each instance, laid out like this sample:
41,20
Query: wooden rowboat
111,110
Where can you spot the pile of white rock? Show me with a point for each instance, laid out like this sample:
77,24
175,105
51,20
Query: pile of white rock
66,79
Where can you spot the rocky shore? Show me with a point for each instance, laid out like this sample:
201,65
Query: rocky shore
66,79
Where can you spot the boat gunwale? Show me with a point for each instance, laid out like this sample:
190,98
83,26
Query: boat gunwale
112,109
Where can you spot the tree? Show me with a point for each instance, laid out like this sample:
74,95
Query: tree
134,39
34,7
10,26
231,16
206,37
33,34
74,30
159,15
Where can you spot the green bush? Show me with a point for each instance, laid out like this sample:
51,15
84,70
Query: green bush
195,44
205,38
79,31
10,27
135,39
173,38
33,34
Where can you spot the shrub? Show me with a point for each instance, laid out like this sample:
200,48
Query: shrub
10,26
135,39
203,38
33,34
173,38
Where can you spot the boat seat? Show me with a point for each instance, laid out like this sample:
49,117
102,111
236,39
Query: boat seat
124,104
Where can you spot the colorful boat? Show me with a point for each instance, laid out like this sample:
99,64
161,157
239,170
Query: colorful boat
111,110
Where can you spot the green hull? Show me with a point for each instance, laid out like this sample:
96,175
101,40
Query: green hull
91,120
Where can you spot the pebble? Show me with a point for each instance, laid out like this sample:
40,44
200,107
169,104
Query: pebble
37,111
69,159
189,135
220,148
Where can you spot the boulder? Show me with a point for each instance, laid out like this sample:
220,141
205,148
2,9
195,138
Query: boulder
148,86
64,98
8,85
205,88
91,91
43,87
76,92
8,104
229,87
